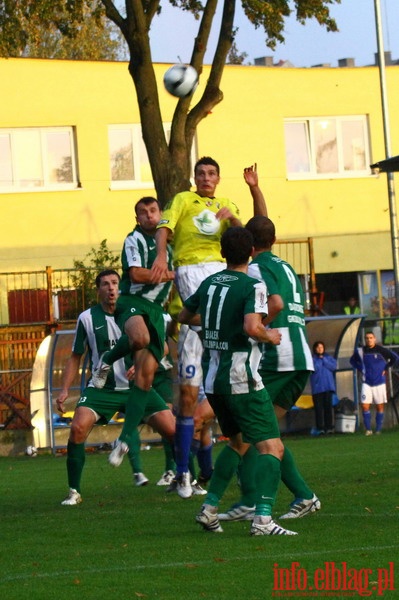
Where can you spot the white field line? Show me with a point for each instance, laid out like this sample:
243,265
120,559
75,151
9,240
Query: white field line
33,574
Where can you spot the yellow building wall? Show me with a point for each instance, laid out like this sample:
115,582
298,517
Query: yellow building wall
348,218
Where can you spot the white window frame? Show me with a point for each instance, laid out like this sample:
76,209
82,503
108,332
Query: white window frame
341,172
47,184
136,139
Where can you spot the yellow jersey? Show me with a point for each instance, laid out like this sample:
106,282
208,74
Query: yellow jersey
196,230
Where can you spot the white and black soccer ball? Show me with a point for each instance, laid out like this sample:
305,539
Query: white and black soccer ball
31,451
180,80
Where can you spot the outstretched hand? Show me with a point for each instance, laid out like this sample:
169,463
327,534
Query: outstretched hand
251,175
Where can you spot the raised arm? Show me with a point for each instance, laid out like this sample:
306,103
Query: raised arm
252,180
159,269
143,275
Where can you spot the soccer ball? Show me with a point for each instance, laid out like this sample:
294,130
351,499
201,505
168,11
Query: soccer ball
31,451
180,80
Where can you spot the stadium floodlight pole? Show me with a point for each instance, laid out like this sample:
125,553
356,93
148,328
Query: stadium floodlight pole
390,175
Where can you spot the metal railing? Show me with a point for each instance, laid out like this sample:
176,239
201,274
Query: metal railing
58,295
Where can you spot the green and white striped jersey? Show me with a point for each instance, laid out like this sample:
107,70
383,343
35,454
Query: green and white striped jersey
139,250
97,332
230,360
293,353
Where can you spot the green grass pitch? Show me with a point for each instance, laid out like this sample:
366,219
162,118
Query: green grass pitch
126,542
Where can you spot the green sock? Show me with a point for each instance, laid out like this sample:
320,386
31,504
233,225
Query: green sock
246,474
292,478
135,408
134,452
121,349
225,467
268,475
76,457
169,455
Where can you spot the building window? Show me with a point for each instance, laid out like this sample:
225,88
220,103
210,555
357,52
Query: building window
37,158
128,158
326,147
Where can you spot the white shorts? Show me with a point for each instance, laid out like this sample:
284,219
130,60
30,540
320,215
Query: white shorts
189,277
189,348
189,354
374,393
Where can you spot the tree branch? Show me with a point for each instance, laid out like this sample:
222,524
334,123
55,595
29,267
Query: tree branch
212,94
113,14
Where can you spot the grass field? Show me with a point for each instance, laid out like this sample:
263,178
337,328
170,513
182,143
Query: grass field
126,542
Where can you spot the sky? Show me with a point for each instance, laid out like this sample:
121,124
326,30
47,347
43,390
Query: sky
173,32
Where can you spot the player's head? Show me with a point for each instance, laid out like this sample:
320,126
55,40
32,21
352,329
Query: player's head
106,273
263,232
207,160
236,246
107,282
206,176
148,213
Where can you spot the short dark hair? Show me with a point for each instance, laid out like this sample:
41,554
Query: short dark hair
104,273
207,160
236,244
146,200
316,344
263,231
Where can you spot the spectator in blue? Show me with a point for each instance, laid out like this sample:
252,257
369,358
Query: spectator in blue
373,361
322,382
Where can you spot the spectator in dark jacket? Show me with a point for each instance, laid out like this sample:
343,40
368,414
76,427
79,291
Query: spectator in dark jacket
322,381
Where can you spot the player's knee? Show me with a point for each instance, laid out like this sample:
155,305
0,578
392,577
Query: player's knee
187,402
78,433
164,423
273,446
139,339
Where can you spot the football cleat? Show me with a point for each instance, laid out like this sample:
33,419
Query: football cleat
116,457
259,527
140,479
300,508
100,374
238,512
197,490
72,499
209,520
166,478
183,487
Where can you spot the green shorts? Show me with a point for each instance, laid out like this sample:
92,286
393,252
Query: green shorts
251,414
152,313
163,384
284,387
108,402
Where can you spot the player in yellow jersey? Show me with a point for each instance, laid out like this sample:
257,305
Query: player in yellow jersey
196,219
